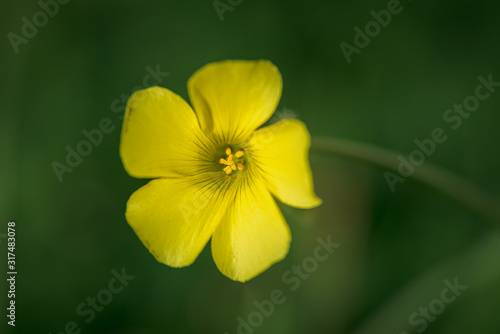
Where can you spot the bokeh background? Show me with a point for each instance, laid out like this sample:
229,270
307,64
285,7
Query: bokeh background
397,248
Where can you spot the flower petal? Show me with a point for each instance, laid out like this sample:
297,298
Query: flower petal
252,235
234,97
161,136
174,218
281,153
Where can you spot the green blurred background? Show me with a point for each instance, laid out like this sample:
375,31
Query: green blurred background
397,248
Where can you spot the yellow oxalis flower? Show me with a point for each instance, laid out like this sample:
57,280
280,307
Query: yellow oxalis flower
214,172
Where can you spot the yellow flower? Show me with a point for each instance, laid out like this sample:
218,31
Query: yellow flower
215,172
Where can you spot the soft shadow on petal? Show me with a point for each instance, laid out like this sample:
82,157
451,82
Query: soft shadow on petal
253,234
280,151
234,97
175,218
161,136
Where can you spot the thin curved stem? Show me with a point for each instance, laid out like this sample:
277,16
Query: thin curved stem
456,188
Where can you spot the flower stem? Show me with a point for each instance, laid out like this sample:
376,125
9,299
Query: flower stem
451,185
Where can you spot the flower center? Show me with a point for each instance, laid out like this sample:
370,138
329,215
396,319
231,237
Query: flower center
233,162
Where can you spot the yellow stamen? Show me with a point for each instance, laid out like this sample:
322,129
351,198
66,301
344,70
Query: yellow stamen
230,165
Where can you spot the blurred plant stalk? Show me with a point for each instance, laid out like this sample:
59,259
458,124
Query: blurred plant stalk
428,174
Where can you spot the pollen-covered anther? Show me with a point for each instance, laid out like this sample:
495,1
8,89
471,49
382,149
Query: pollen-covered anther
231,165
